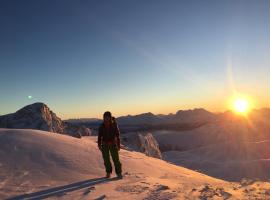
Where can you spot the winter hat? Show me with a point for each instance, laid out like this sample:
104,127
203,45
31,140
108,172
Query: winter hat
107,114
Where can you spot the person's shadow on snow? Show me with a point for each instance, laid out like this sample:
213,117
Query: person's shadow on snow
62,190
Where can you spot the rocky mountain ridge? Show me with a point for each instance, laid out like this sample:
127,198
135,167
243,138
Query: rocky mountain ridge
39,116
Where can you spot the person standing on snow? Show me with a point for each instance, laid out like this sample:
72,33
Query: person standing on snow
109,143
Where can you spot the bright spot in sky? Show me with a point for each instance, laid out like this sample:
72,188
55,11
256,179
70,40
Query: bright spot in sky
241,105
30,97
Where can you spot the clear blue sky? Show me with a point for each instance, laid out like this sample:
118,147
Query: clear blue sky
84,57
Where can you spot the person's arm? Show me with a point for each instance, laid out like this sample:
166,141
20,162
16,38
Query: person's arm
99,137
117,133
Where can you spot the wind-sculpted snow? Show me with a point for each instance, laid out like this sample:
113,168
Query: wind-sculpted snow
149,145
142,142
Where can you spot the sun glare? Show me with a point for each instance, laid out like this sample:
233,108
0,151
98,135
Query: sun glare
241,105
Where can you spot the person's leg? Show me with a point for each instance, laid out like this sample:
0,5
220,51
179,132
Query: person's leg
106,158
116,161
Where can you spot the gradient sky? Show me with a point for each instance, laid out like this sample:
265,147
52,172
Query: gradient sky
84,57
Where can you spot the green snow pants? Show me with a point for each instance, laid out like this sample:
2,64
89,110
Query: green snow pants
113,150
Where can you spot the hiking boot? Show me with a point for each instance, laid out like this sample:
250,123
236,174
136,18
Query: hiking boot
120,176
108,175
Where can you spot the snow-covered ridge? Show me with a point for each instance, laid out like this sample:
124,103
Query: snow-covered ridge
39,116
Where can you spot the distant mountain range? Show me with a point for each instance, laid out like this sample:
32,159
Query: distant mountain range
181,120
39,116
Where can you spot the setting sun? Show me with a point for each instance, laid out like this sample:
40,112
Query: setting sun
241,105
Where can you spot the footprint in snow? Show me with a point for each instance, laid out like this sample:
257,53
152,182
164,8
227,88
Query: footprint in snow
133,189
101,197
88,190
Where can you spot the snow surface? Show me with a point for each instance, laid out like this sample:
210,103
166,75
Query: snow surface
37,165
229,160
226,150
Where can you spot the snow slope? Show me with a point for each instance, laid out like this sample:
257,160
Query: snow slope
228,160
36,165
230,150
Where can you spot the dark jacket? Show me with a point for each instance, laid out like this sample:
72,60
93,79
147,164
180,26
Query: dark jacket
110,136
